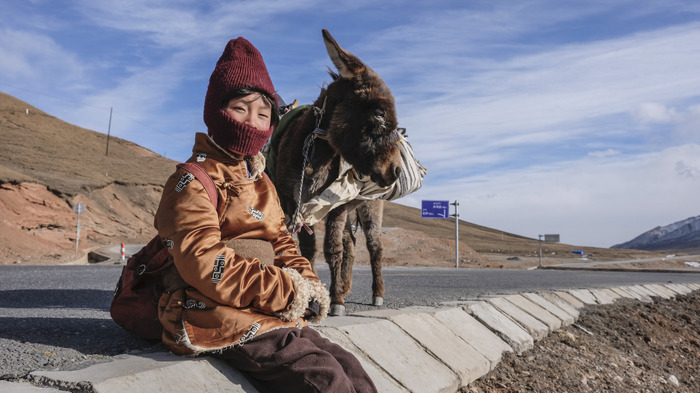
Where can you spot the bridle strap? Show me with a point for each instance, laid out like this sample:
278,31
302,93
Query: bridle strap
308,152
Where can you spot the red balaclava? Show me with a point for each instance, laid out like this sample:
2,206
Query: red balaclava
240,66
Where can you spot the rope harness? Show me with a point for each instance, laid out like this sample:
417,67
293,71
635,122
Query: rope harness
308,153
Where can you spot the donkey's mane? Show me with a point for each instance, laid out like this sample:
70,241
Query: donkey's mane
334,75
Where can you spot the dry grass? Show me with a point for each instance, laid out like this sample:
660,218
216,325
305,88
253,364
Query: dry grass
38,147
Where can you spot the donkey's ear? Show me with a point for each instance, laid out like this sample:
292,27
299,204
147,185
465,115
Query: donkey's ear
347,64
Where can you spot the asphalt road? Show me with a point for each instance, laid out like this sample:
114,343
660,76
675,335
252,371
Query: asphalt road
57,317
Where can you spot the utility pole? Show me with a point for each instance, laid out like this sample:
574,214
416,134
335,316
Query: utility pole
456,216
109,128
79,208
540,243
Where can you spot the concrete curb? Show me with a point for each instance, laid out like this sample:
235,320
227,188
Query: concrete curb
421,350
620,269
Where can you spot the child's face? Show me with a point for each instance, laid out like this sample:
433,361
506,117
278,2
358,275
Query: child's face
251,110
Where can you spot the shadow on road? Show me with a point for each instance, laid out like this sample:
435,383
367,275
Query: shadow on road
76,319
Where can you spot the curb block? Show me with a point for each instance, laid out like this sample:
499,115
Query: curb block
508,330
532,325
402,357
571,299
561,303
643,295
440,341
553,323
565,317
477,335
383,381
626,294
153,372
584,296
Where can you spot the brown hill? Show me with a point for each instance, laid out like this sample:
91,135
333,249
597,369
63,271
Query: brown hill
47,166
486,247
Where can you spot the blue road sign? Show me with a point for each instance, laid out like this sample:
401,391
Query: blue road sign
435,209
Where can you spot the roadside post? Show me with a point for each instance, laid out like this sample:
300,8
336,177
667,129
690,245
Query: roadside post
78,208
441,210
123,252
456,216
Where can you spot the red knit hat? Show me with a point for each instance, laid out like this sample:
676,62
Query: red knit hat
240,66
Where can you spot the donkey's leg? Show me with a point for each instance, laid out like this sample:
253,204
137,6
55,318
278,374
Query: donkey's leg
333,251
370,214
349,241
307,247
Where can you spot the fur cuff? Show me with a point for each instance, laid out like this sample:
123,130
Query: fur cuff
306,291
319,293
301,299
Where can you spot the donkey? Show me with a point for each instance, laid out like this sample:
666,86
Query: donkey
358,114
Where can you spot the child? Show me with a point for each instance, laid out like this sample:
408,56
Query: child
227,296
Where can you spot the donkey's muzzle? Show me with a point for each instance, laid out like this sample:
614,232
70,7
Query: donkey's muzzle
387,178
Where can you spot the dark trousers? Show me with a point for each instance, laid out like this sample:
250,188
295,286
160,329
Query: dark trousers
298,360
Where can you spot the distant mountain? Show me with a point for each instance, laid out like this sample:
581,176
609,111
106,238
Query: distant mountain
680,236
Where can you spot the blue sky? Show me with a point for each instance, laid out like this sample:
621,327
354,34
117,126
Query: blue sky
580,118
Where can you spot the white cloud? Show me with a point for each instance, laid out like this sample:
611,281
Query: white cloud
689,171
653,112
684,122
567,84
519,119
604,154
688,125
38,62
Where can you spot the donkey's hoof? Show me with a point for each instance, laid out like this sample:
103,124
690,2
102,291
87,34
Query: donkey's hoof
337,310
377,300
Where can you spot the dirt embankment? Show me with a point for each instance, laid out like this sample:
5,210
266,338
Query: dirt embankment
624,347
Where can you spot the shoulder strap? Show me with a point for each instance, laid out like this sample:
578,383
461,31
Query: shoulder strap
203,178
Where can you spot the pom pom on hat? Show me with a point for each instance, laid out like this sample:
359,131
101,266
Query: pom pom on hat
240,66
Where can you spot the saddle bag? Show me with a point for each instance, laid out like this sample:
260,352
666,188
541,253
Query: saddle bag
134,306
412,173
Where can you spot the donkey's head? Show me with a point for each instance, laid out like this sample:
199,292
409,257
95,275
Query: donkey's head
362,117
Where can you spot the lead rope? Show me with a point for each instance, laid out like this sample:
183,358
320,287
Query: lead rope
308,153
